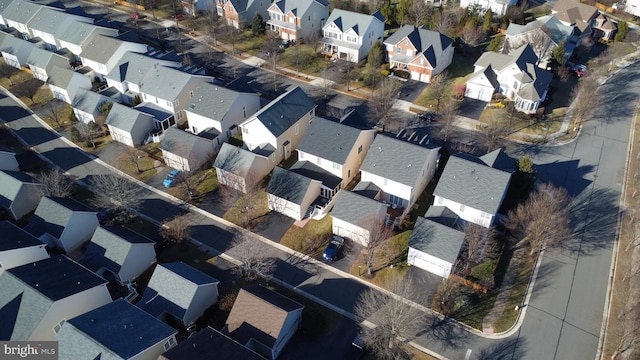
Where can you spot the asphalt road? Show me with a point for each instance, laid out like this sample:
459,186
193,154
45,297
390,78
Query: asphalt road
564,316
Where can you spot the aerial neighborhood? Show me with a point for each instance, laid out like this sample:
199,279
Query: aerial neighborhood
266,179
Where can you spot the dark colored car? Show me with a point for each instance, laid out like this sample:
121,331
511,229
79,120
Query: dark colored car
172,178
427,116
179,17
332,250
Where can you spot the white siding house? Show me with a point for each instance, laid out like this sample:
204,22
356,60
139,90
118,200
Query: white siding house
65,84
129,126
101,53
44,62
63,223
291,194
215,107
349,35
18,247
49,23
15,51
498,7
354,215
239,168
78,33
18,193
37,298
294,20
179,291
471,188
185,151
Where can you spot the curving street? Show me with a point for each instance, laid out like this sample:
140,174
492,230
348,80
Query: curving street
564,315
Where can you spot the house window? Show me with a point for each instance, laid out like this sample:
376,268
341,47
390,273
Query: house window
58,326
462,207
337,166
352,39
169,344
244,112
399,50
176,102
421,61
273,157
169,103
395,200
194,129
409,52
292,19
359,149
245,130
349,173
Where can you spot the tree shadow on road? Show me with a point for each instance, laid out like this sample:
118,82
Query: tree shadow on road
511,348
446,331
594,217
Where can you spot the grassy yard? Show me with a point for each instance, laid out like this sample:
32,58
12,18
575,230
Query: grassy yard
249,43
302,58
310,239
145,162
509,316
389,260
257,208
205,181
459,71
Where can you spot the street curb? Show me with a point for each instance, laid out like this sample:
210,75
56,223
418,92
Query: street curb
616,247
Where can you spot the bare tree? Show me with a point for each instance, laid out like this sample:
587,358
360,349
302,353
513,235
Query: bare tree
55,183
347,68
446,122
444,23
176,229
132,155
541,221
493,135
241,201
54,112
445,299
87,132
439,87
479,245
586,98
379,232
383,99
272,47
418,13
254,261
396,320
121,197
472,34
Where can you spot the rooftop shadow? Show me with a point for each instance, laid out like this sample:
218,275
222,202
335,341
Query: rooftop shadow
341,292
511,348
13,113
67,157
36,136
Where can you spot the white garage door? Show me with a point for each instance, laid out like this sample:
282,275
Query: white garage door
430,267
424,78
415,75
479,93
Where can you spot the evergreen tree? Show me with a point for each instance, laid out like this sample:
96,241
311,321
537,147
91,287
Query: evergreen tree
558,53
488,20
258,25
388,12
623,29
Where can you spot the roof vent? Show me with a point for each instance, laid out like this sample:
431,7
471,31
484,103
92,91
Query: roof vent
409,165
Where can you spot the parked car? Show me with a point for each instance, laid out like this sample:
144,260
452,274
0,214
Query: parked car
332,250
178,17
426,116
172,178
580,70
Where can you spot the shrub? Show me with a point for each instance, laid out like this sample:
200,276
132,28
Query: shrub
75,134
27,101
384,73
401,74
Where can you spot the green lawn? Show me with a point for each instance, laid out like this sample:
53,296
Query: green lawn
249,43
303,59
310,239
509,316
146,164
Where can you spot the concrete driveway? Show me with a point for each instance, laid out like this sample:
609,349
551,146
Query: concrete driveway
347,256
411,89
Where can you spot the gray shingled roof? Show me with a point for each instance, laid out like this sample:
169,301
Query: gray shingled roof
12,182
21,11
77,33
259,313
60,77
42,58
29,290
175,285
166,83
100,48
436,239
234,159
125,118
355,209
473,184
53,214
209,343
110,246
133,67
179,142
5,3
212,101
89,101
118,330
442,215
12,44
428,42
288,185
156,111
396,160
49,20
14,237
313,171
283,112
346,20
329,140
299,7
